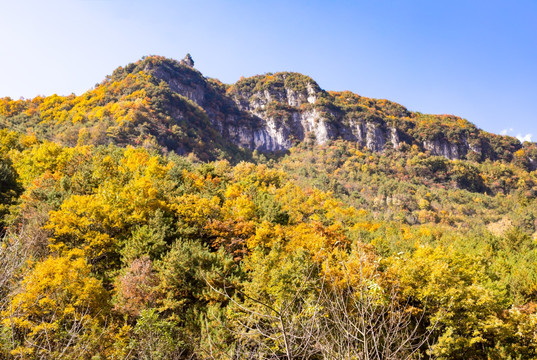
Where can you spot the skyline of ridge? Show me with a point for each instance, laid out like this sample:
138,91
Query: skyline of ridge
473,60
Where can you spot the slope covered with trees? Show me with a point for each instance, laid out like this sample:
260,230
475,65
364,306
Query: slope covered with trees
117,246
130,107
168,105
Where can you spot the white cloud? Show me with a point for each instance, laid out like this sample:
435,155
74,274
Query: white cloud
519,136
526,137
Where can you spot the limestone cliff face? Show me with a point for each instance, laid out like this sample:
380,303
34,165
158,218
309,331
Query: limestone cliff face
289,114
533,163
446,149
373,136
274,112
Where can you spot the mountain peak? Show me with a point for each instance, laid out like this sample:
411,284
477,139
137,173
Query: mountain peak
187,60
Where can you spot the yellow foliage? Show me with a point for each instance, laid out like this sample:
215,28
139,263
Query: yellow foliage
194,209
266,235
58,293
91,221
240,207
38,159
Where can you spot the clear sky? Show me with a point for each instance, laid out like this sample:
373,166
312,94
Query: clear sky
475,59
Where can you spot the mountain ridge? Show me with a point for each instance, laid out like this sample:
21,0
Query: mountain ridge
165,103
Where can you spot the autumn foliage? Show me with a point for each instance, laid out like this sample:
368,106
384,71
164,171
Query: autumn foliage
127,234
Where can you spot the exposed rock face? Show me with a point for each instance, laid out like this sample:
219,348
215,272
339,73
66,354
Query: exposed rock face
286,116
188,61
533,163
187,83
445,149
274,112
476,147
373,136
269,130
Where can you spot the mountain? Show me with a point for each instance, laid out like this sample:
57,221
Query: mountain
355,229
168,104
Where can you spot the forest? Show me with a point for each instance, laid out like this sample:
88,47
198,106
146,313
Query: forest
129,234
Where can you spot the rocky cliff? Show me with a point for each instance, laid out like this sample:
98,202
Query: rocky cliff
169,104
273,112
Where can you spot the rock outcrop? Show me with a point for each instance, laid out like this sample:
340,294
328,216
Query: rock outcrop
446,149
188,61
277,115
274,112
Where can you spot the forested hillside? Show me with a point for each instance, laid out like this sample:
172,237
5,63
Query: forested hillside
164,215
164,104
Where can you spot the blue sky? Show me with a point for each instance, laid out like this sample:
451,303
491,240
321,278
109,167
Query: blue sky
474,59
